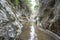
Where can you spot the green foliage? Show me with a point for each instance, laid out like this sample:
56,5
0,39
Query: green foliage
36,6
28,3
17,2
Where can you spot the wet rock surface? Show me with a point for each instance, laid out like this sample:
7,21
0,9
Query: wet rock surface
25,35
15,23
39,34
50,15
43,36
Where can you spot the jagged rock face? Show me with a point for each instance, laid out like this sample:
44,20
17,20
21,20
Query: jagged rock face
10,27
50,15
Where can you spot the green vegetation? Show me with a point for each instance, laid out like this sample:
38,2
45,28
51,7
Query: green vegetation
36,6
28,3
17,2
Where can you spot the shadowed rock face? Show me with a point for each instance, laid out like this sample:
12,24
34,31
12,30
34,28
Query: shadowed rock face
50,15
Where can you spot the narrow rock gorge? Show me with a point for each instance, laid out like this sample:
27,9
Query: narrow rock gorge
29,20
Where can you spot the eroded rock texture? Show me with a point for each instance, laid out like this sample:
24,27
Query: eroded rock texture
10,19
50,15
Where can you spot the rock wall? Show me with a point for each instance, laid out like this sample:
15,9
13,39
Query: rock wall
49,14
11,19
